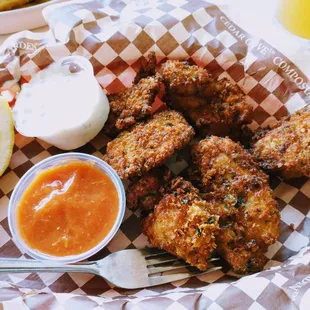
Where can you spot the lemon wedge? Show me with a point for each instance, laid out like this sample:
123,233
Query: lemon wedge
6,135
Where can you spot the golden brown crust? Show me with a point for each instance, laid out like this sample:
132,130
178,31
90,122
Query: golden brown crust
285,149
240,194
225,113
145,193
131,105
213,106
186,80
148,67
6,5
222,161
182,225
148,144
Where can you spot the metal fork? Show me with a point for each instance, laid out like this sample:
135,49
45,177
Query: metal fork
129,269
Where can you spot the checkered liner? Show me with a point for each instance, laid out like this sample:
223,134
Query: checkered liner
115,38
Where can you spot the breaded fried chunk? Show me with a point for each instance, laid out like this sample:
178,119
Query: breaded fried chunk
285,149
6,5
240,194
146,192
225,113
213,106
183,79
148,67
148,144
131,105
182,225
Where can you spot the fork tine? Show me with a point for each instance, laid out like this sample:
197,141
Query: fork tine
179,276
149,252
167,268
173,267
161,260
213,259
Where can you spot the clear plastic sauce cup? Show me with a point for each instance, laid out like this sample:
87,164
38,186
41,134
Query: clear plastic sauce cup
29,177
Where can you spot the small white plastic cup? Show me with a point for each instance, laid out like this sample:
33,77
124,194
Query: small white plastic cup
28,178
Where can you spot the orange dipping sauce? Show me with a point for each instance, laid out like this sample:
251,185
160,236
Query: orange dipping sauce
67,210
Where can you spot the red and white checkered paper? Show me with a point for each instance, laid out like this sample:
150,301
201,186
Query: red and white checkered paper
115,37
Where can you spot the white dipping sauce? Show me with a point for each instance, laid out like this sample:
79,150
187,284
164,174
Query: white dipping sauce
63,104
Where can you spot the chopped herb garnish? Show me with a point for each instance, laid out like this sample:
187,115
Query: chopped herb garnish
239,202
198,232
242,269
211,220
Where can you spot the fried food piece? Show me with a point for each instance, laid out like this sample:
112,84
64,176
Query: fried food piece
6,5
225,113
240,194
186,80
285,149
148,144
131,105
41,1
148,68
182,225
213,106
146,192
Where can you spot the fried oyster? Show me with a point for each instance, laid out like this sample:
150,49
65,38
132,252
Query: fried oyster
213,106
285,149
148,67
240,195
182,225
148,144
184,79
146,192
132,104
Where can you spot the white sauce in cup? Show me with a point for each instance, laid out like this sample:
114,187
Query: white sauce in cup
63,104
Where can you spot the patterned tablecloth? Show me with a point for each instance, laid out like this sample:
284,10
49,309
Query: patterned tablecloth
115,38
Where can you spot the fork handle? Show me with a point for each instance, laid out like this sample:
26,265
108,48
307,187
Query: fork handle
28,265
